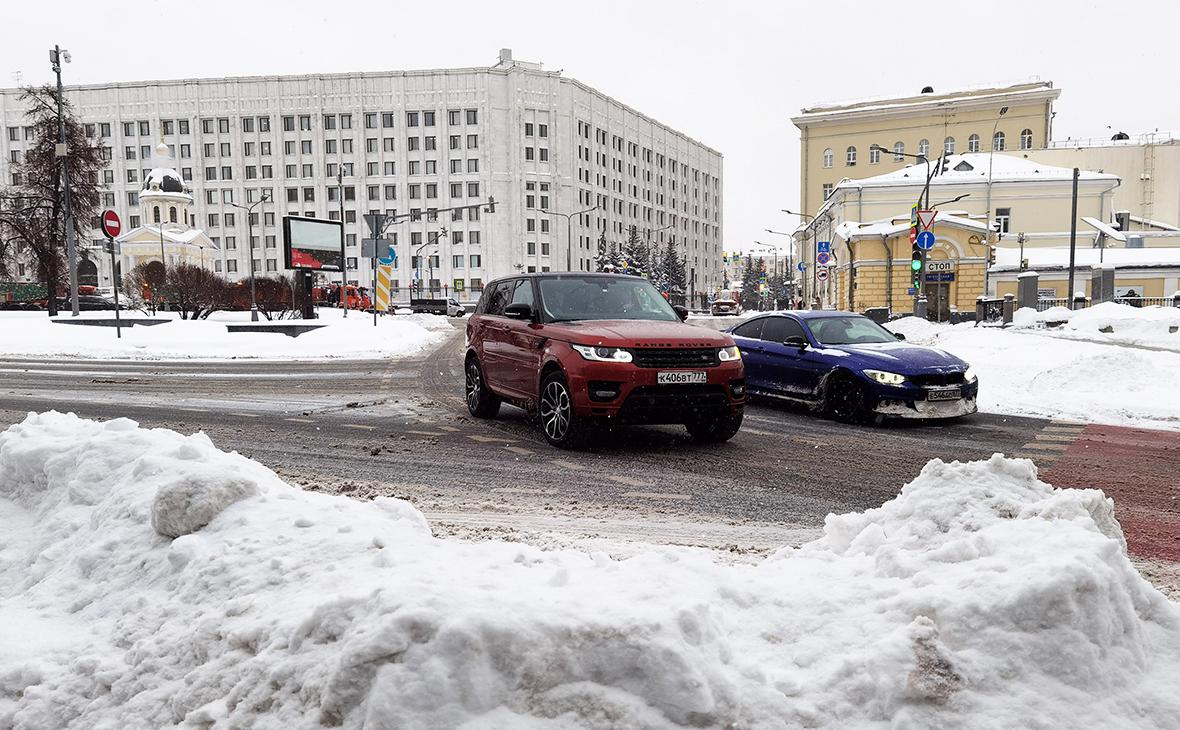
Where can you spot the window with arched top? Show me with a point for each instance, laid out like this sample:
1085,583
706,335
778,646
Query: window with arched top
155,214
1026,139
973,143
874,154
948,146
829,157
172,214
924,147
998,142
898,151
850,156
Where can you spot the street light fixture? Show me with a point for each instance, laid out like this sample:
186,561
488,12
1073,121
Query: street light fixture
250,237
569,233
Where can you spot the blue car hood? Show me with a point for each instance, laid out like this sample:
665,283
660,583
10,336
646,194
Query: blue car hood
901,358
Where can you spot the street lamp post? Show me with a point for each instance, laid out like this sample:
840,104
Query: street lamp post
418,258
987,244
569,233
56,56
250,238
803,292
652,255
789,271
774,267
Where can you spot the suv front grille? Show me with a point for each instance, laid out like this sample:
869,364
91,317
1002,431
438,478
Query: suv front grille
673,403
938,379
697,357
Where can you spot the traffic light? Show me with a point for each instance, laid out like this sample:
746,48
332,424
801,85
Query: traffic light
944,164
916,265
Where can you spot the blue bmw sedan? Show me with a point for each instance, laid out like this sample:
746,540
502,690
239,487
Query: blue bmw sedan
851,368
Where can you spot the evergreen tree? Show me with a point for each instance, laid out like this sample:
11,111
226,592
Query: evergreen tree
672,270
635,254
751,279
31,209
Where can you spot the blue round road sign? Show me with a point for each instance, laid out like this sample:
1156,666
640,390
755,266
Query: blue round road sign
925,240
801,266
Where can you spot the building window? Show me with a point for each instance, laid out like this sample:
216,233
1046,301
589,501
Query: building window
1003,216
924,148
948,146
898,151
827,190
453,117
472,141
973,143
475,260
998,142
874,154
457,261
829,157
473,190
850,156
472,116
1026,139
231,266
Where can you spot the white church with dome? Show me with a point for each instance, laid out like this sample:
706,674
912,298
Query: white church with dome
168,230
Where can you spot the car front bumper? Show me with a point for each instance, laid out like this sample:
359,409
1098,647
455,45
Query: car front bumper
639,398
926,408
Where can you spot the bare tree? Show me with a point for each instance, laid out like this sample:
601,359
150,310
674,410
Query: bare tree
144,285
196,292
274,297
31,208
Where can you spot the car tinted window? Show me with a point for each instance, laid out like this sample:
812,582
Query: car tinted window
851,330
499,297
753,329
523,293
778,329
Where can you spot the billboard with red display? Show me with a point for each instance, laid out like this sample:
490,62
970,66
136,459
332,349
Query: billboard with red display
311,243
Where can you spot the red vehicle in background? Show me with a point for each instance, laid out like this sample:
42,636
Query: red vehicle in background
581,350
356,297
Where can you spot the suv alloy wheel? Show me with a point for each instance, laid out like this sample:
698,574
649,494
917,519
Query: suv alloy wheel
481,402
561,426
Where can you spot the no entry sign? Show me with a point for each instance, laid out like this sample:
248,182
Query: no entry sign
111,225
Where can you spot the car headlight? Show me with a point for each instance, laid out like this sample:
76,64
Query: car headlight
729,354
603,354
969,376
885,378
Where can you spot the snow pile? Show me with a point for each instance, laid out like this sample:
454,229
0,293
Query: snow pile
1113,323
355,337
980,597
1037,372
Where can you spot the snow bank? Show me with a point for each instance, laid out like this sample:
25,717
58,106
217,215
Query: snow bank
1041,372
1111,322
354,337
979,597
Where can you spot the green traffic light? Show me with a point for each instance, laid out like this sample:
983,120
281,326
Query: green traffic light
915,265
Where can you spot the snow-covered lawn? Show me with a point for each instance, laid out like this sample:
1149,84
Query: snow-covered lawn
1074,372
149,580
352,337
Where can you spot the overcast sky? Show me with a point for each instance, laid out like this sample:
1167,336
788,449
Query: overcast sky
729,74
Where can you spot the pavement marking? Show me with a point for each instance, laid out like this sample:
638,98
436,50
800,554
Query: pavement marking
567,465
300,420
1066,437
425,433
628,481
245,415
1064,429
523,490
756,432
489,439
452,429
520,450
1046,447
657,495
363,426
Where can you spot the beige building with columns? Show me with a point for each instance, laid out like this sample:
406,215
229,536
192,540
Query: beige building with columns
867,224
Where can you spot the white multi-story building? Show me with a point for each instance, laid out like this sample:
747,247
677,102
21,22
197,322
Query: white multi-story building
404,141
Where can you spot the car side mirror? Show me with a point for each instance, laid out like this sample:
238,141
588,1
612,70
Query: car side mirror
518,311
796,341
899,335
681,311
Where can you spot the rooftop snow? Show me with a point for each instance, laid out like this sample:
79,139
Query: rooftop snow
908,102
1004,168
1008,259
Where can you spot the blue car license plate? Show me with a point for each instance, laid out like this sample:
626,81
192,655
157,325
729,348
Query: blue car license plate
944,394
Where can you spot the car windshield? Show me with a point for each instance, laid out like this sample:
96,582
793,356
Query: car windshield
850,330
571,298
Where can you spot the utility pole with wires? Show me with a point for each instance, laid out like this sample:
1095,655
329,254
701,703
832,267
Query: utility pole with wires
56,57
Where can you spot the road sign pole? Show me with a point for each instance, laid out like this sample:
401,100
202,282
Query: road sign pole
115,281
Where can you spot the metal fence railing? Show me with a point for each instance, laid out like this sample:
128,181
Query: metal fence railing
1049,303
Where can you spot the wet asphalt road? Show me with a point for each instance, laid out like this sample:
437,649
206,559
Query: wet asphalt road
400,428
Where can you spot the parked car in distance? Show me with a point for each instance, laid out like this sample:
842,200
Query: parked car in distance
454,308
582,350
851,368
725,306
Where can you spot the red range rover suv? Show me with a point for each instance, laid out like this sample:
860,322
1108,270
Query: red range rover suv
580,350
